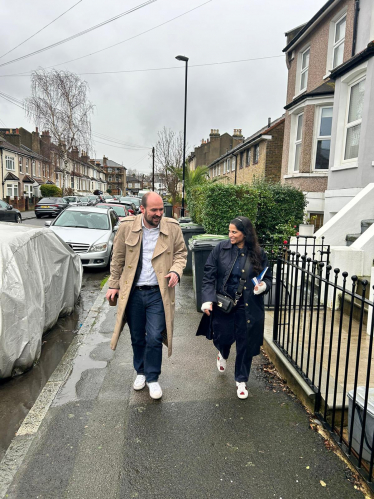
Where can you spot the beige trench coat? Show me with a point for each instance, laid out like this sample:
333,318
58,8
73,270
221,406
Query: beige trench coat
170,255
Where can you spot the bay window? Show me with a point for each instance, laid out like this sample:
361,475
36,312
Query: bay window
323,138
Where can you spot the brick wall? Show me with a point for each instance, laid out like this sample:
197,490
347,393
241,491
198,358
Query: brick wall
274,151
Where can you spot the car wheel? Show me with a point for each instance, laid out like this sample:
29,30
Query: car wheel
38,216
19,219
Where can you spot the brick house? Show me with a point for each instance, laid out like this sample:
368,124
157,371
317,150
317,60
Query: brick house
115,175
214,147
313,50
259,156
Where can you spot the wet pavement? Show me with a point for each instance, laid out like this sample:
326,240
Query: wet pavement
99,438
18,395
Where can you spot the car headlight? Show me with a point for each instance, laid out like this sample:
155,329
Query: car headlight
99,247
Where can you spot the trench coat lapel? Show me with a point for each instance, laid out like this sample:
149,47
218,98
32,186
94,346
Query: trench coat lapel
134,237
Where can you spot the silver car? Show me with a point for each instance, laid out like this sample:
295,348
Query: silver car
89,231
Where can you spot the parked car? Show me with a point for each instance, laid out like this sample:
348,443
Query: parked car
84,200
9,214
93,200
40,281
72,200
135,200
50,207
89,231
121,210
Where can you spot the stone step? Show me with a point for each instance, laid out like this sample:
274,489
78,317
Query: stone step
365,224
351,238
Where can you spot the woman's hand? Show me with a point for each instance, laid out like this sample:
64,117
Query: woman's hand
260,288
207,307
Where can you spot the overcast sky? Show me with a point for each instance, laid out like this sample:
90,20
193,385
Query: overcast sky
131,107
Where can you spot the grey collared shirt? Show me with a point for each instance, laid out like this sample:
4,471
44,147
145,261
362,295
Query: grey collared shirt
148,276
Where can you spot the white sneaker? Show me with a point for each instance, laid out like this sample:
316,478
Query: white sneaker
155,391
139,382
221,363
241,390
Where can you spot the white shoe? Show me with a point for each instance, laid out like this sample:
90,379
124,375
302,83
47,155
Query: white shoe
241,390
221,363
139,382
155,391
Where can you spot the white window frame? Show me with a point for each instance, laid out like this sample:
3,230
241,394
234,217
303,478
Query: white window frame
219,169
331,42
340,42
316,136
302,71
10,163
233,163
297,141
20,164
228,165
353,123
26,165
256,154
28,190
13,186
248,156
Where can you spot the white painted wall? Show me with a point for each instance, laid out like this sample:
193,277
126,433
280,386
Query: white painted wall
348,219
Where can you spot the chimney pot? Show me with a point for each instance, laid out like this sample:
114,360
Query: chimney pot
269,122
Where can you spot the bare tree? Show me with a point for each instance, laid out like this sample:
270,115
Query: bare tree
169,159
59,104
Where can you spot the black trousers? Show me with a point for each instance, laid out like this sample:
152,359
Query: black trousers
231,328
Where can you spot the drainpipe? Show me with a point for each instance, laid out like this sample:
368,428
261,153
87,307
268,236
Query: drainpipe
2,172
355,23
236,166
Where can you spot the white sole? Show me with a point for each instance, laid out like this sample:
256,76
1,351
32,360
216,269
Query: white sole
137,388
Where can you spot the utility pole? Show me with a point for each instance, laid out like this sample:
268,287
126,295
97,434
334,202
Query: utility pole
153,168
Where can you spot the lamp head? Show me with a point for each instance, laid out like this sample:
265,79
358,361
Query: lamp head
182,58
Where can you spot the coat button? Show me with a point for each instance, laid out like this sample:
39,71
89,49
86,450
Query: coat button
243,270
242,254
245,287
248,322
246,304
126,282
130,266
131,251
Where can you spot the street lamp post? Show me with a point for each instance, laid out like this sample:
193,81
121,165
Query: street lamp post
185,59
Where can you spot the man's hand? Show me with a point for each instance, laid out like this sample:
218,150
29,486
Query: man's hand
173,279
111,293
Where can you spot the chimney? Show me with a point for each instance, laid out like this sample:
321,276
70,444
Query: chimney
13,137
214,134
35,141
74,153
45,144
85,157
105,161
269,122
237,137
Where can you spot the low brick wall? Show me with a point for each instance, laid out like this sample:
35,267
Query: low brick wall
22,203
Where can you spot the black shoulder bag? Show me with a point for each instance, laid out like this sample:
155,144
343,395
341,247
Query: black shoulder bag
226,303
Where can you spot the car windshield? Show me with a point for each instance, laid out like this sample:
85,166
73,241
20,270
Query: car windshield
84,200
83,220
136,201
120,210
70,198
92,197
51,201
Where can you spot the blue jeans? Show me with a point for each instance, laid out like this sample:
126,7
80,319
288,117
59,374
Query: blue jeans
146,319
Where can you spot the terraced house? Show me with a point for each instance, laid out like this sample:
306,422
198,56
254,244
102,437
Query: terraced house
257,157
328,146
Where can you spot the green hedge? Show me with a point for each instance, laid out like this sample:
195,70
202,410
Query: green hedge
275,209
50,191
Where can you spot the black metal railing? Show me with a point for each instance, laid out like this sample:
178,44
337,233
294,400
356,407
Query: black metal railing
324,324
310,246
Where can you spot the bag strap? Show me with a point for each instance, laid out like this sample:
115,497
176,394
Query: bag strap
243,280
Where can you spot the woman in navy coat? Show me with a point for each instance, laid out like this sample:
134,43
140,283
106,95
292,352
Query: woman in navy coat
245,323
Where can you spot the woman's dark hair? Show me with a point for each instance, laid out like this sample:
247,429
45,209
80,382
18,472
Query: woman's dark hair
251,242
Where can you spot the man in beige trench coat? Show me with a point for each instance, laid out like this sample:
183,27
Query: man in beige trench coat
149,256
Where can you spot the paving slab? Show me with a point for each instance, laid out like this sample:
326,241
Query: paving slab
101,439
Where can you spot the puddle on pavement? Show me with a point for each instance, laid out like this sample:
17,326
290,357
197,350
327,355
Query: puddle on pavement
17,395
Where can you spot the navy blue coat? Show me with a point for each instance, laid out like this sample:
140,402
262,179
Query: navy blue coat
216,272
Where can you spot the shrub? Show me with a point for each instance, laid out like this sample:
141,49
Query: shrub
195,201
223,202
50,191
279,205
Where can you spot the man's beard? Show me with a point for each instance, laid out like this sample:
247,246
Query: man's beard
154,221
